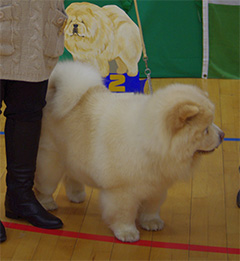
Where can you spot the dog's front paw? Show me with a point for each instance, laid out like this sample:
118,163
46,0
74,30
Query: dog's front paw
153,224
127,234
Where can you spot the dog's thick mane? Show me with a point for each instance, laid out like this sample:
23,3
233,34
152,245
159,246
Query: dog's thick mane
68,82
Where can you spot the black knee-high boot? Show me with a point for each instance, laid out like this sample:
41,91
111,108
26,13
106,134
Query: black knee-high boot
2,233
3,236
22,139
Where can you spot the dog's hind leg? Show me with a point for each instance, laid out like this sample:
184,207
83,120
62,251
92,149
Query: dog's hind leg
75,190
48,174
122,68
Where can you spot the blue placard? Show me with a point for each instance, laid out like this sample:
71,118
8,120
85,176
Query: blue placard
124,83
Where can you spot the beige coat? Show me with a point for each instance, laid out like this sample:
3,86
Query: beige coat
31,38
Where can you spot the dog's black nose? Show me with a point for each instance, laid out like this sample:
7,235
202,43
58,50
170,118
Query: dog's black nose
75,25
221,136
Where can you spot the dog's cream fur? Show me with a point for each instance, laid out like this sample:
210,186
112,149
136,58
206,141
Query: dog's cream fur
131,147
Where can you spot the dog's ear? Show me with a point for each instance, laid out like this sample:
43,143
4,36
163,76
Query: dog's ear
181,115
187,111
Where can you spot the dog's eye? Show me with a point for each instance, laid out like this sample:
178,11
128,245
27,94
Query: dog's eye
206,131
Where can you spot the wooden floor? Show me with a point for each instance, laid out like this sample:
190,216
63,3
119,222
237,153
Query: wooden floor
201,216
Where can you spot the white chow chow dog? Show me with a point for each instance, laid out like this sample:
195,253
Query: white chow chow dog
131,147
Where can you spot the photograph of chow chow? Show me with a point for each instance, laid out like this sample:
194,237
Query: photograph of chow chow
99,35
130,147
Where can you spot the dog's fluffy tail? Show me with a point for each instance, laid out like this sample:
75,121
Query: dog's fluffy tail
68,82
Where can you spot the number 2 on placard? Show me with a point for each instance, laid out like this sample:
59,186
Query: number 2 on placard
117,79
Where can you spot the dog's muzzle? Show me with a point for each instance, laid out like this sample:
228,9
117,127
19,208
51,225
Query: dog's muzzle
75,29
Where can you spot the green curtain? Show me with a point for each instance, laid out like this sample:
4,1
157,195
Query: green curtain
224,41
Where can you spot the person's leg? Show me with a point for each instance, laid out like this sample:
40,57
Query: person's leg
24,103
3,236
